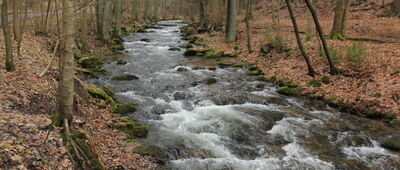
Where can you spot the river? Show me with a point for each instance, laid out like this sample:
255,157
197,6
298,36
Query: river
236,123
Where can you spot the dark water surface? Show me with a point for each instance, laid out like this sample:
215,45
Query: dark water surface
237,123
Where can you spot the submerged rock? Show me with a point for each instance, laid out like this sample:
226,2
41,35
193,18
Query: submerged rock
179,95
125,77
182,69
210,81
121,62
145,40
174,49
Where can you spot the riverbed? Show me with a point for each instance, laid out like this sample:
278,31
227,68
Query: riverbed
235,122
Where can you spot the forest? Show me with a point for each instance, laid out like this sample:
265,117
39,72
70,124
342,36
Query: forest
200,84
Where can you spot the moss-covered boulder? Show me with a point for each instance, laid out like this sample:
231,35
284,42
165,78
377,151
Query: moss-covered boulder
392,143
254,71
100,94
117,47
224,64
124,109
285,90
261,78
122,62
125,77
107,89
212,55
90,62
238,65
314,83
195,52
131,127
141,150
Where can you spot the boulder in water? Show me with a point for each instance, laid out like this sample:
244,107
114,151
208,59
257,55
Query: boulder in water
392,143
182,69
145,40
124,109
121,62
210,81
125,77
174,49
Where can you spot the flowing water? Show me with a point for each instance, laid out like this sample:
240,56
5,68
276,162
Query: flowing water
237,123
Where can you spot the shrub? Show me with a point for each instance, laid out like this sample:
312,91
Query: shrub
335,55
275,39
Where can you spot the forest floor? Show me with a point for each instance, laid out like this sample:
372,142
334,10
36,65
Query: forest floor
370,83
27,103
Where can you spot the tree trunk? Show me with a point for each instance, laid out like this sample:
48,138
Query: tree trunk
106,20
230,28
311,71
118,13
17,8
202,15
99,16
339,22
333,69
7,37
248,16
66,82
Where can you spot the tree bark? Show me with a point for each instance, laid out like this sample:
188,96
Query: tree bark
230,28
7,37
118,16
17,26
248,16
339,22
333,69
311,71
106,20
66,82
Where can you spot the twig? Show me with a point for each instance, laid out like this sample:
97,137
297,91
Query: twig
51,59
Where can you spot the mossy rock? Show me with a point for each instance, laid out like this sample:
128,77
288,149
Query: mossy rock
392,143
107,89
314,83
122,62
141,150
100,94
285,90
212,55
182,69
371,113
90,62
125,77
174,49
223,64
131,127
124,109
261,78
117,47
189,46
393,122
255,73
195,52
325,80
254,68
238,65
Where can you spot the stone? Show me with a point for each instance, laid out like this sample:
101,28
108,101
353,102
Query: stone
125,77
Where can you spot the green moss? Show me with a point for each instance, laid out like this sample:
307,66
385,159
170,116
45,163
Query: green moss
325,79
100,94
289,91
121,62
261,78
314,83
124,109
392,143
131,127
238,65
125,77
194,52
90,62
393,123
254,68
212,55
224,64
371,113
107,89
141,150
189,46
117,47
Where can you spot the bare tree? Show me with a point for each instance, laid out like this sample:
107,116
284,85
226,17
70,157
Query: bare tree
339,22
6,30
230,28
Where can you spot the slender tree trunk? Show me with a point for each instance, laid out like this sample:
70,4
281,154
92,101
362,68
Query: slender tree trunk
17,26
106,20
118,13
396,7
333,69
84,25
311,71
202,15
7,37
248,16
66,83
230,28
